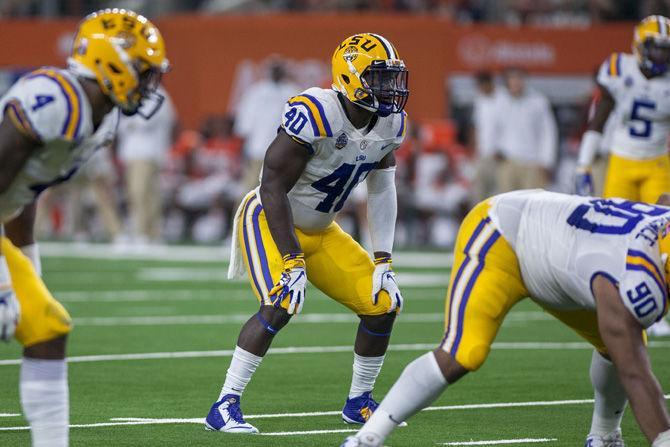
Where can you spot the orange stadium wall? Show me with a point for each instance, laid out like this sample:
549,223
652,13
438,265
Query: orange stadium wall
205,50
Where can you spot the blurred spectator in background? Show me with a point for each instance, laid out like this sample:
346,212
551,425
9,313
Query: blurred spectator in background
98,176
208,186
142,146
259,116
527,135
484,137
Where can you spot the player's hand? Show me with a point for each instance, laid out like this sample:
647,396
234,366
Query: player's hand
583,181
383,278
292,284
9,314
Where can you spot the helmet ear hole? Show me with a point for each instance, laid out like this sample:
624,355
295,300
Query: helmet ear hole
346,80
114,68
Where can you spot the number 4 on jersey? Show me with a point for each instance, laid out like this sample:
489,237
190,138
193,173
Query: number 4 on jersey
334,185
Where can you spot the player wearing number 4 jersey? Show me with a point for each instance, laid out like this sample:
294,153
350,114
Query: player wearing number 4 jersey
52,122
600,266
635,93
329,141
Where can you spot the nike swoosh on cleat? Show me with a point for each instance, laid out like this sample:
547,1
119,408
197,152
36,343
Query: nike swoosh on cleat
394,421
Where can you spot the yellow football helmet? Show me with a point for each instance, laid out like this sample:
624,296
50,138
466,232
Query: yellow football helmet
368,71
651,44
125,53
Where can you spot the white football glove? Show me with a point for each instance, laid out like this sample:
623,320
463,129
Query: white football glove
9,314
383,278
292,284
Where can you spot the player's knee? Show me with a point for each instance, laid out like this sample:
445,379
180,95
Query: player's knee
272,318
472,359
378,325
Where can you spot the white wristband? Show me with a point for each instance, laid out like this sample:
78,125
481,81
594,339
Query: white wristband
662,440
32,252
589,147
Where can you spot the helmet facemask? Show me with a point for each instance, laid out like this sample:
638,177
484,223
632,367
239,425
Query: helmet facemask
145,100
384,87
655,55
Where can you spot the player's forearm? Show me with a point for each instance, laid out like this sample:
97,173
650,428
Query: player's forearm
382,209
647,401
280,219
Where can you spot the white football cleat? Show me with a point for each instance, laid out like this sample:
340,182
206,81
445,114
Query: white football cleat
659,329
226,416
613,439
363,440
9,315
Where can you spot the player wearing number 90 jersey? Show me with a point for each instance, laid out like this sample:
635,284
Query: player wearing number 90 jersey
52,122
329,141
598,265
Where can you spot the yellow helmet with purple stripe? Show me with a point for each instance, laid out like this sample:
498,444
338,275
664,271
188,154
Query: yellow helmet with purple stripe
124,52
651,44
368,71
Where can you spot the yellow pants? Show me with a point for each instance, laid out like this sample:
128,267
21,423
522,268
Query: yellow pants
485,284
42,317
637,180
336,264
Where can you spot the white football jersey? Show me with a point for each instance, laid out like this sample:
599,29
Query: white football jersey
51,105
563,241
642,111
342,156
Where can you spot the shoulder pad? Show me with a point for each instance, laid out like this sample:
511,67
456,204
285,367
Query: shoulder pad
47,105
312,115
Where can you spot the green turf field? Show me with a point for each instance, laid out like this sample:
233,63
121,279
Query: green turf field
180,319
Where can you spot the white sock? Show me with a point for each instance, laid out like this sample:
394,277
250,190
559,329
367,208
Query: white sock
45,401
610,396
419,384
366,370
662,440
242,367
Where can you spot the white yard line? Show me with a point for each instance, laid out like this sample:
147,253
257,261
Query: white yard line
502,441
149,295
186,274
157,421
514,346
9,415
315,318
203,253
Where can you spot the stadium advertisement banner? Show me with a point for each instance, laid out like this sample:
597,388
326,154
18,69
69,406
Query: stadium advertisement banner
208,53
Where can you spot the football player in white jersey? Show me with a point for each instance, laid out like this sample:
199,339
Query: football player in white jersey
598,265
52,122
635,93
329,141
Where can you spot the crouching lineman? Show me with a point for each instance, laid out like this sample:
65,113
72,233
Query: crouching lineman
633,90
329,141
53,120
599,266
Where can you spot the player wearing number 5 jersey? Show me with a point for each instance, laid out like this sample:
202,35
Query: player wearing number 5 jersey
329,141
600,266
635,92
53,120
